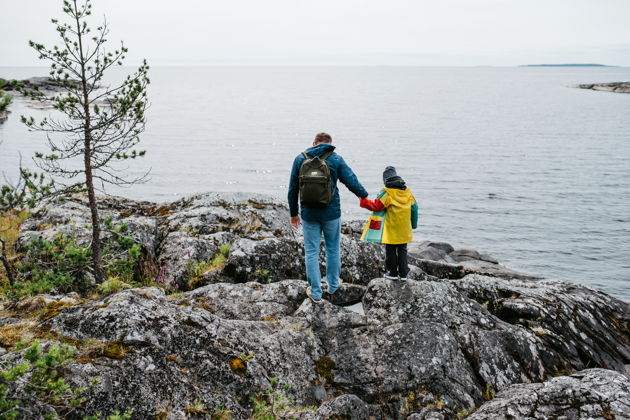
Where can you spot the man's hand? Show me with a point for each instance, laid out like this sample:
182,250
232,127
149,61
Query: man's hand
295,221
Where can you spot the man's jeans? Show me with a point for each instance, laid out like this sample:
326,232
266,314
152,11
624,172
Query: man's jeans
331,229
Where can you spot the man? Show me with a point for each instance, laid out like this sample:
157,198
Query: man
322,220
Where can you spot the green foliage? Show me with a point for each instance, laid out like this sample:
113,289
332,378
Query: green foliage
30,189
246,357
43,381
79,64
60,264
196,408
198,269
112,285
262,275
222,413
41,371
489,392
63,265
99,127
275,403
5,99
120,252
224,250
116,416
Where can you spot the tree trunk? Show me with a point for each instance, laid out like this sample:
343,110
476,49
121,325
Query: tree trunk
97,263
5,262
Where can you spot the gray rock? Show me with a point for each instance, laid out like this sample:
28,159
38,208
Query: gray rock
619,87
589,394
346,406
176,354
569,319
176,236
441,260
419,347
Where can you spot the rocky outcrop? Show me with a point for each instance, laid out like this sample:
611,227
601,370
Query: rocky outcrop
619,87
589,394
437,347
43,83
421,347
441,260
264,248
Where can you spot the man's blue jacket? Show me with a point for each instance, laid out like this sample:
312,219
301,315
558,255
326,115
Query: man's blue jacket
339,170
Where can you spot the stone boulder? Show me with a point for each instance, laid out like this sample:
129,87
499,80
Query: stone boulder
588,394
580,327
441,260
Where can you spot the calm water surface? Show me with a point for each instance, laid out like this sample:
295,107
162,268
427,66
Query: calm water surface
505,160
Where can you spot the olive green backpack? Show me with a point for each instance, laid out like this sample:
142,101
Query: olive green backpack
315,190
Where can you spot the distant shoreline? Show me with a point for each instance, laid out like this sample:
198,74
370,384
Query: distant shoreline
567,65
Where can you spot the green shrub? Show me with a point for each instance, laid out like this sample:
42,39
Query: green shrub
41,372
198,269
112,285
64,265
5,100
120,253
60,264
275,403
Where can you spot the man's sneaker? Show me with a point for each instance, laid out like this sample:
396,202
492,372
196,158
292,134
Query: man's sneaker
308,293
389,276
331,297
403,278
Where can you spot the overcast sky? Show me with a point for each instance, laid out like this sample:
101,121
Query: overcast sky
389,32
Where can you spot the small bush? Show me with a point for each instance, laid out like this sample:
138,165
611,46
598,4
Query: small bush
198,269
64,265
113,285
40,377
60,264
274,403
5,100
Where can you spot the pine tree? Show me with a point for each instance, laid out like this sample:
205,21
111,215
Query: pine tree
99,126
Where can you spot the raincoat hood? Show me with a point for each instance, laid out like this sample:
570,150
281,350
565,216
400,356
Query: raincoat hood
401,197
320,149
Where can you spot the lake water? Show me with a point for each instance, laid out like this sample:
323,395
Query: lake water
509,161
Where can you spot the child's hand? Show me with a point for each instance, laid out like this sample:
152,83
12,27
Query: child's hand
375,205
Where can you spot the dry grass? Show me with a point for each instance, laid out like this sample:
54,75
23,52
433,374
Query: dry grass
10,223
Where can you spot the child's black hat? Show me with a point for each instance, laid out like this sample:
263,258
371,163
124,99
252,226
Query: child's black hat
389,172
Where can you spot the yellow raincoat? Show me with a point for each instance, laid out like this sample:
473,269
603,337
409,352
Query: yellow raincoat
394,217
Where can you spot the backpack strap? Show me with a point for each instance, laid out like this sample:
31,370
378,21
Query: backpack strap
322,157
326,155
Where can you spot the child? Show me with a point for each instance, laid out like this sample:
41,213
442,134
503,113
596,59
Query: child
395,214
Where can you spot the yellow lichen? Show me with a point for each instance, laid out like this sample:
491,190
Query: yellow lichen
238,366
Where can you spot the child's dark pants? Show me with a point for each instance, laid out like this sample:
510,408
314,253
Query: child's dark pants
396,260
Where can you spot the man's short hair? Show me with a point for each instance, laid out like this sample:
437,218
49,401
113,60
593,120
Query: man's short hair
323,138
